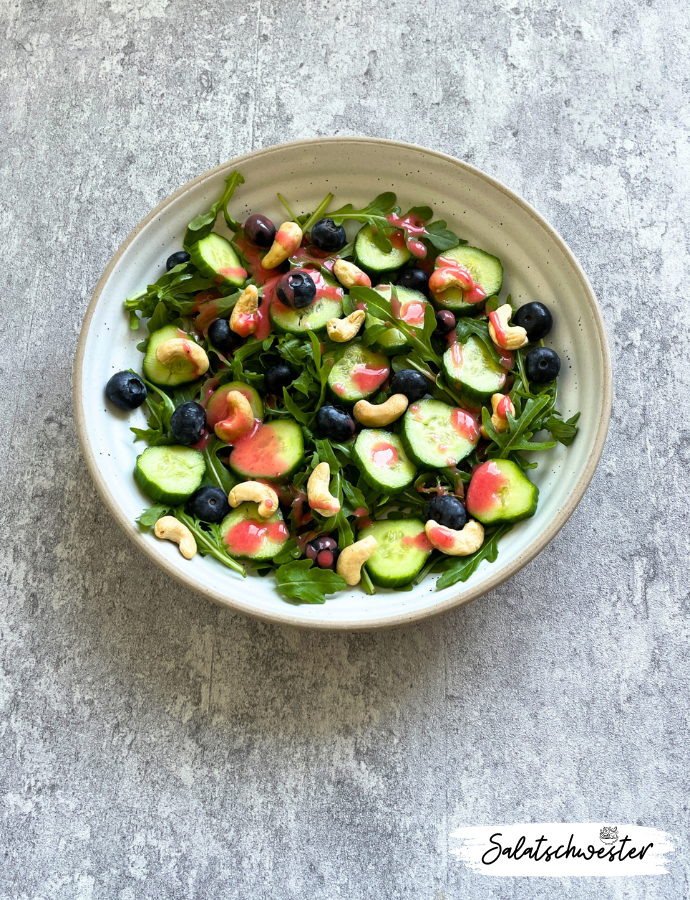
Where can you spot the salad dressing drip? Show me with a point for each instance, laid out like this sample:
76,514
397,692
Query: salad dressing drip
384,454
412,228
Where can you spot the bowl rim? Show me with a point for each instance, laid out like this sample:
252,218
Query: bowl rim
492,581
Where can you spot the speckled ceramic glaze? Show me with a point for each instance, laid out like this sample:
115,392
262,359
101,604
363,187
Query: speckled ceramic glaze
538,266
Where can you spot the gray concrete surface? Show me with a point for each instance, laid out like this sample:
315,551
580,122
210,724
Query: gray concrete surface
154,746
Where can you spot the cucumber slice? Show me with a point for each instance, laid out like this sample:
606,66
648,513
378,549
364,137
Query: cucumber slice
436,435
249,536
169,474
215,258
180,371
369,255
217,406
286,320
359,373
486,270
271,450
412,306
392,342
501,492
380,457
471,368
403,548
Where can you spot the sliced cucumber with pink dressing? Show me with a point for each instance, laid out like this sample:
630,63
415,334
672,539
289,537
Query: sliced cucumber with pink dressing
215,258
249,536
217,406
436,435
469,367
402,550
169,475
375,260
358,373
286,320
412,305
180,371
501,492
271,450
486,271
380,457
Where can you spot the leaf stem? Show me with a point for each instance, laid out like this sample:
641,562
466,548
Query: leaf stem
317,214
285,204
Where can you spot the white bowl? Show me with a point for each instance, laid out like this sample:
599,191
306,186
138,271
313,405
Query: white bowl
538,266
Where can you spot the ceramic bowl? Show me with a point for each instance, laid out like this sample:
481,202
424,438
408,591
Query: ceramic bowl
537,263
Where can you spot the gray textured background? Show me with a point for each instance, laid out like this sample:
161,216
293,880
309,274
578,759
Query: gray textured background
152,745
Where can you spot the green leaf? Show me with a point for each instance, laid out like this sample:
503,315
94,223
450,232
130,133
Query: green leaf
150,516
215,470
294,410
303,382
159,319
133,320
287,553
564,432
299,581
326,454
480,328
317,214
424,212
354,496
438,235
209,543
461,569
202,225
316,349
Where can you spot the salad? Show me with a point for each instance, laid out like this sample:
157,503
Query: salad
342,399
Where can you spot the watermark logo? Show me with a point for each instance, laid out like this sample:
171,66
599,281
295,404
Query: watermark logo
562,849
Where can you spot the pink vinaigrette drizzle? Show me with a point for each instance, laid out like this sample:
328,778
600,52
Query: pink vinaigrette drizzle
412,228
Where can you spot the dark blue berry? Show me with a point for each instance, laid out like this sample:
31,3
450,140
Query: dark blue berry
326,235
542,364
176,259
296,289
445,323
415,279
447,510
411,383
335,424
260,231
210,504
188,422
126,390
535,319
278,377
223,337
324,551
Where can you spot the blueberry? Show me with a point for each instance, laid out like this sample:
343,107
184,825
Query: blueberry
447,510
445,323
415,279
126,390
260,231
335,423
296,289
278,377
324,551
222,336
326,235
535,319
409,382
187,423
180,257
542,364
210,504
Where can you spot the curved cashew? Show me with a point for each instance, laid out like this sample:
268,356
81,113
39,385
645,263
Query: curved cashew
239,420
350,275
256,492
320,498
450,277
501,405
455,543
372,415
352,559
181,348
342,330
287,240
509,337
171,529
242,319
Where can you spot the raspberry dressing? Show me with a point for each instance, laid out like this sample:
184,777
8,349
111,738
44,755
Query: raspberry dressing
474,293
443,537
419,542
384,454
247,537
412,228
465,423
259,452
233,272
483,494
366,378
501,336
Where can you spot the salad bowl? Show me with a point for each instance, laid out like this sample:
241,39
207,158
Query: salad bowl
537,264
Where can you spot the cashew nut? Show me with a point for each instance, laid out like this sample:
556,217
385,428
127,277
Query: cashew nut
342,330
287,240
171,529
242,319
320,498
350,275
455,543
181,348
239,420
450,277
509,337
352,559
372,415
501,405
256,492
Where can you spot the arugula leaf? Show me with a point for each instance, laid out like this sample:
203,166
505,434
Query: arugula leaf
216,472
287,553
299,581
209,541
438,235
317,214
150,516
423,212
461,569
294,410
480,328
373,214
159,318
564,432
202,225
